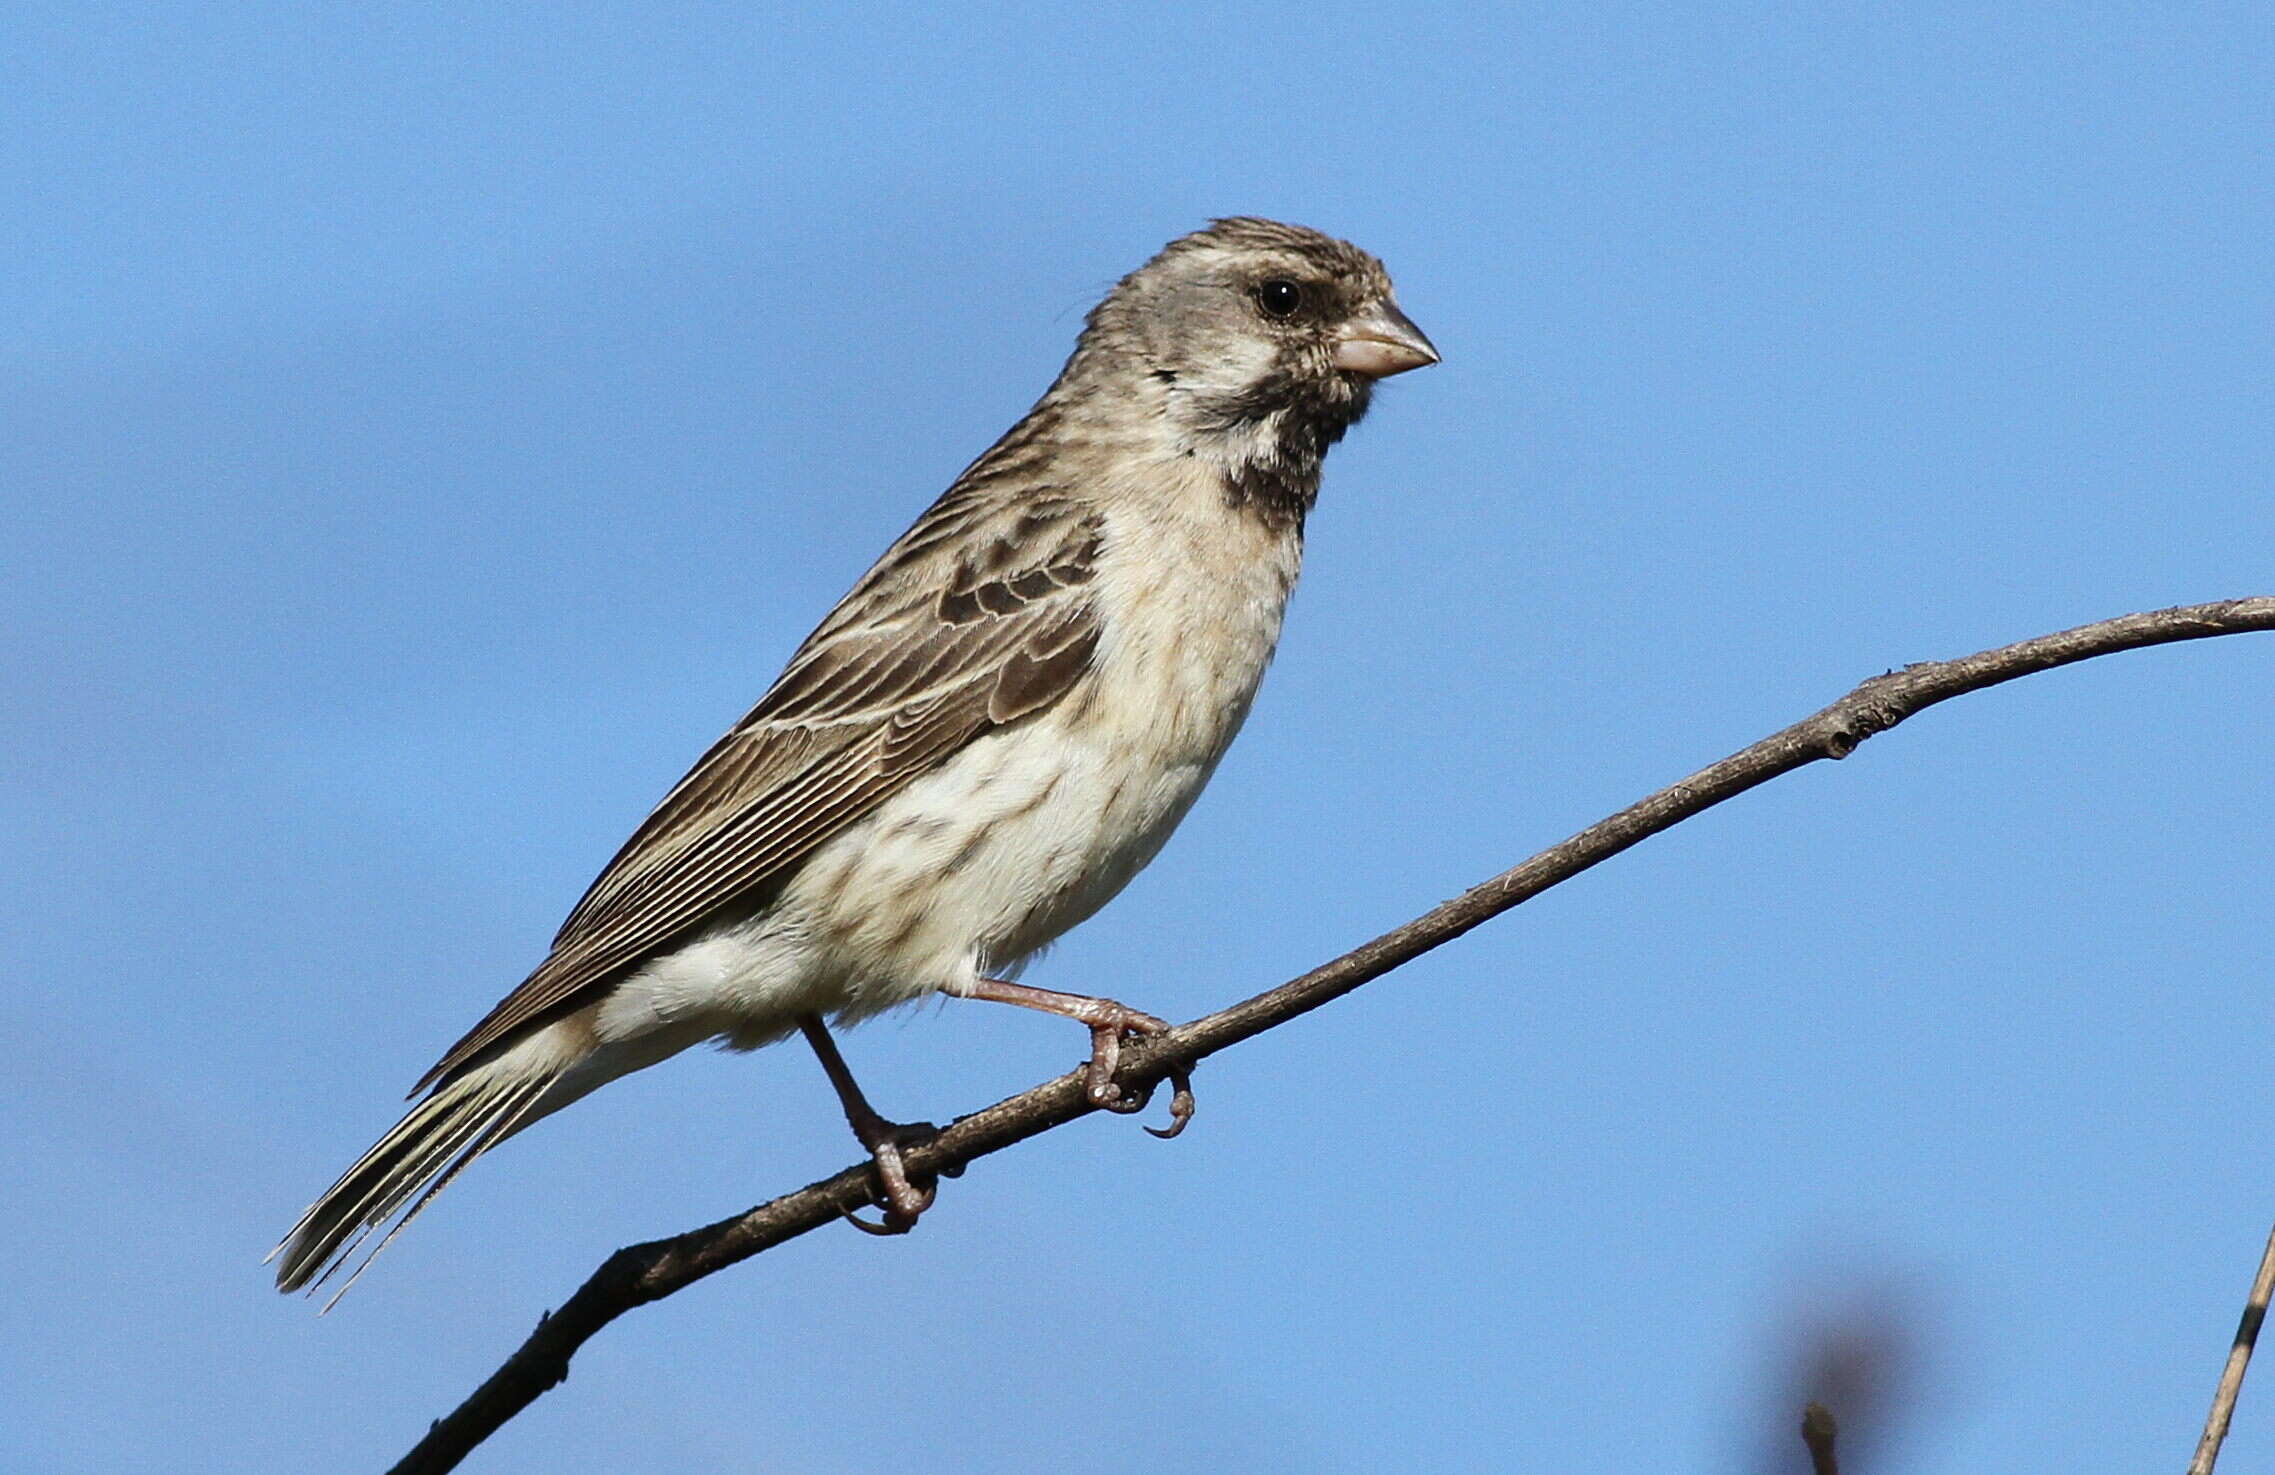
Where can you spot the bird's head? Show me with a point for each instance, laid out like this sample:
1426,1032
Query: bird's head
1258,344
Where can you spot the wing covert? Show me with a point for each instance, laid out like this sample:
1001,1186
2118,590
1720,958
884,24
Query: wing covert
958,630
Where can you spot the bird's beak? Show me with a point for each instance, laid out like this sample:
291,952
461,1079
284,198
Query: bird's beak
1382,341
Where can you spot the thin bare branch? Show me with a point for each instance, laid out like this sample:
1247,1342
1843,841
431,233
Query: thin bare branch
2239,1358
1820,1431
642,1273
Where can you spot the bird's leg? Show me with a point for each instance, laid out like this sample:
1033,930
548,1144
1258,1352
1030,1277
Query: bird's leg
902,1200
1108,1022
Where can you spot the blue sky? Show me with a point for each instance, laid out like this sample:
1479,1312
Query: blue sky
425,428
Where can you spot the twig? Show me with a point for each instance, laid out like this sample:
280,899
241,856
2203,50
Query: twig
642,1273
1819,1432
2239,1358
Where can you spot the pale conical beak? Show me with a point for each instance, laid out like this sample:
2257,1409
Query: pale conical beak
1382,341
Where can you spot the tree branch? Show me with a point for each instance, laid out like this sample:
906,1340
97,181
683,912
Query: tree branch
2239,1358
642,1273
1820,1432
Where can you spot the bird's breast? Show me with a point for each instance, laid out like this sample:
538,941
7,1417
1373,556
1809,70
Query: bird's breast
1025,833
1191,595
1190,607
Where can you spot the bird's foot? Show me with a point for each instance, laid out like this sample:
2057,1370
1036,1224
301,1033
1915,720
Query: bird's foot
1119,1021
902,1198
1110,1023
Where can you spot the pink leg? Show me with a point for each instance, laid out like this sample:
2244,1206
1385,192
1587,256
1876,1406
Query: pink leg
903,1201
1108,1022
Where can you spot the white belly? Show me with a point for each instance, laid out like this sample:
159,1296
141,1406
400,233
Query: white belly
1022,835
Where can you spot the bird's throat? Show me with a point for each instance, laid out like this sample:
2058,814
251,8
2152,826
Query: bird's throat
1272,441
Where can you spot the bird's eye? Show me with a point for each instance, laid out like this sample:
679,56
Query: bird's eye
1279,297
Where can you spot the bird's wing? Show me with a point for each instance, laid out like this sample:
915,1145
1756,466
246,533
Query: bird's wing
976,618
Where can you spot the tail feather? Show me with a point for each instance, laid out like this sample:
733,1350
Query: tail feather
351,1217
437,1140
413,1150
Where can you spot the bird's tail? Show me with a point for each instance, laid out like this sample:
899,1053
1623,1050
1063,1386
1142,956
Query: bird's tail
459,1120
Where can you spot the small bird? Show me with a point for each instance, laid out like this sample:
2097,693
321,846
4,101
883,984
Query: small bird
979,746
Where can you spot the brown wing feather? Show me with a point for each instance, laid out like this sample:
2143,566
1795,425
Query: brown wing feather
930,651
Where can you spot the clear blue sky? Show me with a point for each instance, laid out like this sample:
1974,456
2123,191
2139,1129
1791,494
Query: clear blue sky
424,428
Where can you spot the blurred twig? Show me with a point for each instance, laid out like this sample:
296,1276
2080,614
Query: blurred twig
1819,1431
1857,1353
648,1272
2239,1358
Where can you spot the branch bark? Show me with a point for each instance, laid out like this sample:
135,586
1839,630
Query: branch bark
2239,1358
639,1274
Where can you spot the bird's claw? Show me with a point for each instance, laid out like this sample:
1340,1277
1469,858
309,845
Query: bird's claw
893,1222
904,1199
1180,1104
1106,1032
1126,1102
1109,1094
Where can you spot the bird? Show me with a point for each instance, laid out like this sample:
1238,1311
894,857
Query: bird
974,751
